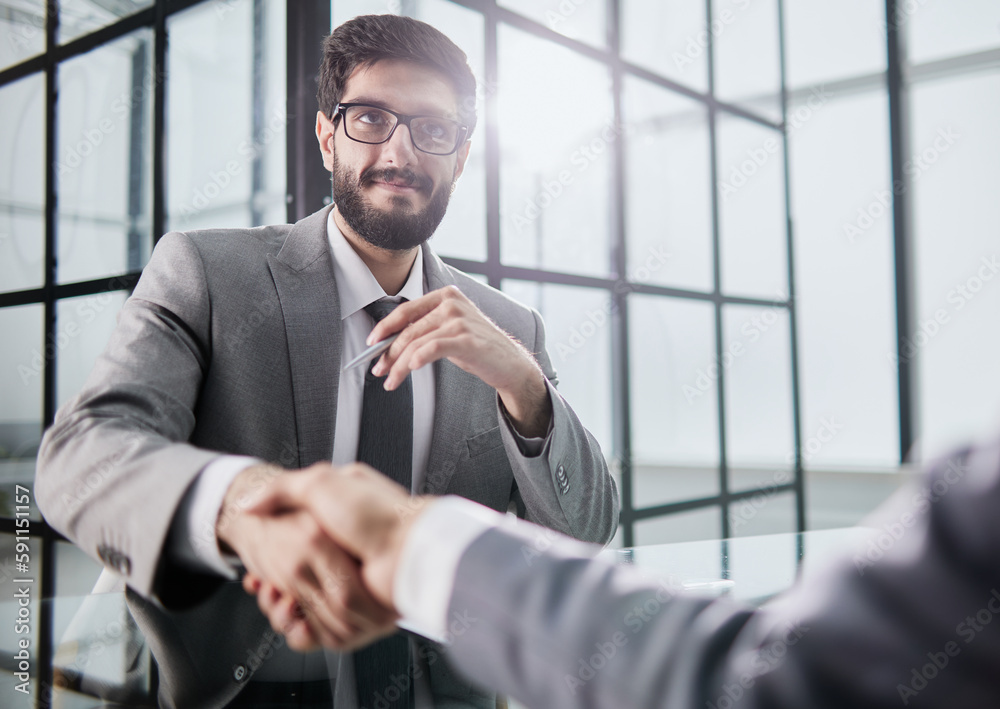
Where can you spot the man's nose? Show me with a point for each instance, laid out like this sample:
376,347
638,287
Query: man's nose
399,150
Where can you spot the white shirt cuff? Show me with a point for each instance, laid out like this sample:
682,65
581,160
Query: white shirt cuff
429,561
192,533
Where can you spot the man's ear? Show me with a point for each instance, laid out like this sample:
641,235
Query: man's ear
324,134
463,155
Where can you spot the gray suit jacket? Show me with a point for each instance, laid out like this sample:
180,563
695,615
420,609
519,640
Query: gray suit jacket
910,618
231,344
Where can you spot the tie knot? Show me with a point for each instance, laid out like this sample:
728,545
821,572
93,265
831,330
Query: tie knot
380,308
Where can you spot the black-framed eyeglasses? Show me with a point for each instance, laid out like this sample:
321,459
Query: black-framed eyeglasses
374,125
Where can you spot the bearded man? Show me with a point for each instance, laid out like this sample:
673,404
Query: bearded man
227,371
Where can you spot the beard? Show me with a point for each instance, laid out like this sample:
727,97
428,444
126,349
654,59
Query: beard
400,228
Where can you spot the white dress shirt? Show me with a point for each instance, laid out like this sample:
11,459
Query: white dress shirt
357,287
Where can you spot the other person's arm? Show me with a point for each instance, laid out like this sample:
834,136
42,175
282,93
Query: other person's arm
914,624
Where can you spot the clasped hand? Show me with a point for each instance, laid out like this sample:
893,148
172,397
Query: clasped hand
320,547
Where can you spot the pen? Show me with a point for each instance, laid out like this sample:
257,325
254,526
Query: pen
371,353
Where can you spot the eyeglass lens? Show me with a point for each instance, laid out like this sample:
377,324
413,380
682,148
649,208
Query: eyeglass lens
369,124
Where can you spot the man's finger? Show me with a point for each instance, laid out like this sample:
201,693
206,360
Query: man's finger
426,325
284,492
427,349
251,584
411,311
288,617
346,596
267,600
300,637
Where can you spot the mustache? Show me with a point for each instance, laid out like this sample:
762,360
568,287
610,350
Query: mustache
405,176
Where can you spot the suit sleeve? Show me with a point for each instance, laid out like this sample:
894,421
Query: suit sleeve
115,465
910,618
567,486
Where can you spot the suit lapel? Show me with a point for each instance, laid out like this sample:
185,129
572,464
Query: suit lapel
303,277
453,406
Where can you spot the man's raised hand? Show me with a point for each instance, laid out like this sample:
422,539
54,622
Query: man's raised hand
445,324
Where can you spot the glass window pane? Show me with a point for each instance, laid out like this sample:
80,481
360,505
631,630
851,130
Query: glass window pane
844,266
462,232
22,363
556,136
267,145
758,383
936,30
830,41
23,25
224,167
94,637
80,17
669,38
104,170
747,54
583,19
674,414
76,574
955,149
83,328
751,188
843,499
668,201
10,583
766,512
22,184
578,340
680,527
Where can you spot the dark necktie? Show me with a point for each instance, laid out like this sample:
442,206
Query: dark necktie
385,442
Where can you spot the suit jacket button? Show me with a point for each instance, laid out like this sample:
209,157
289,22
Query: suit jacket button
239,673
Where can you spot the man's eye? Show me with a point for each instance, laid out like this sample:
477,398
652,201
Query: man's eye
371,118
434,130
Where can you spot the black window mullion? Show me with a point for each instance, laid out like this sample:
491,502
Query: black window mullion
898,142
720,389
799,473
159,118
51,213
136,174
46,582
698,503
307,185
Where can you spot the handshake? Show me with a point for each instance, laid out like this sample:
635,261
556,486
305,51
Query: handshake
320,547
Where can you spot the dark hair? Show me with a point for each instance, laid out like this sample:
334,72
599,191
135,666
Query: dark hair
368,38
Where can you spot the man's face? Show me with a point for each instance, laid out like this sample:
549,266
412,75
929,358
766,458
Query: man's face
391,194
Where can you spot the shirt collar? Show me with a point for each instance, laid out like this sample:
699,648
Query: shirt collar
356,285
